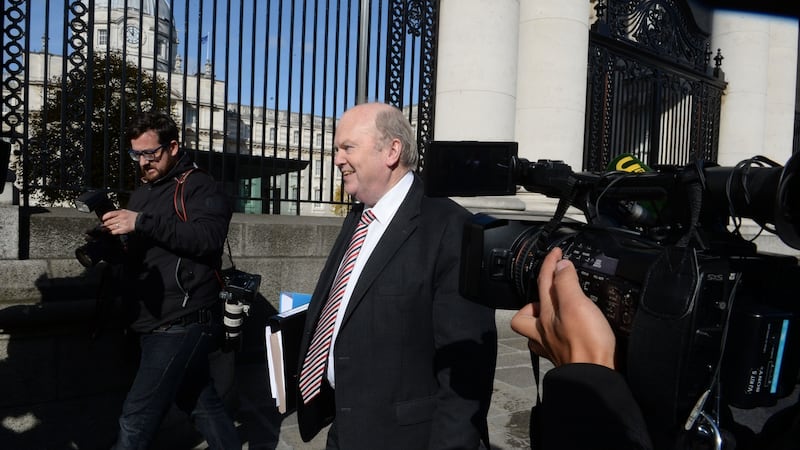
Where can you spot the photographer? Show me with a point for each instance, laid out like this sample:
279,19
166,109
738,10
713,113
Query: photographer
175,226
585,402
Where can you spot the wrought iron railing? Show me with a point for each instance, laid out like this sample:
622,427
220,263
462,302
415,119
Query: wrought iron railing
652,89
256,87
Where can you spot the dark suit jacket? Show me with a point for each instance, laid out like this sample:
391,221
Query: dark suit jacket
414,361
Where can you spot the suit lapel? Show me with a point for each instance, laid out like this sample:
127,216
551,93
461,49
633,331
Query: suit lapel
332,265
402,226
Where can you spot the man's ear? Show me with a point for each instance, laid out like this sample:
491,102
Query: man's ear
174,147
393,152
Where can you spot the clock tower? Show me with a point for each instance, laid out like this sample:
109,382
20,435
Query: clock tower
148,31
132,34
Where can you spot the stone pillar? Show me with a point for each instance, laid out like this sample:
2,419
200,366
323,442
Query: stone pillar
551,88
9,220
744,41
476,78
758,107
9,231
781,90
476,70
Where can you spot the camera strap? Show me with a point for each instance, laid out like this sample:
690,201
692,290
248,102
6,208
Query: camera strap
178,197
179,202
564,202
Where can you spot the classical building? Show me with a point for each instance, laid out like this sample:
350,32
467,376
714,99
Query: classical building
274,153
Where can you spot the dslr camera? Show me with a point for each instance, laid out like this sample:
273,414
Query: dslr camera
238,292
704,321
100,245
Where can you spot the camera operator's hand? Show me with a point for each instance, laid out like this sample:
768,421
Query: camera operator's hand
120,221
565,326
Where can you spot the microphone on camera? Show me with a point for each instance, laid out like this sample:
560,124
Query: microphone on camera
637,212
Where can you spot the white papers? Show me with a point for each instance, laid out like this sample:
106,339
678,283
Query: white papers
283,333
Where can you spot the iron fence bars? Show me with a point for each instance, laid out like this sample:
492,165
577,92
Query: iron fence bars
15,76
429,30
256,87
651,90
412,48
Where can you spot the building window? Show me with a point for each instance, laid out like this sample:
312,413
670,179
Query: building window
191,118
102,37
318,141
317,166
295,137
318,199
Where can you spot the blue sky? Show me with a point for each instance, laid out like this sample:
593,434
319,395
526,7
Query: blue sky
270,52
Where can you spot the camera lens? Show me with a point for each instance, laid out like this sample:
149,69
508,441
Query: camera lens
526,261
89,254
234,313
528,250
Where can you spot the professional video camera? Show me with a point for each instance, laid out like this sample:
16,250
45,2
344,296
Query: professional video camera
100,245
703,319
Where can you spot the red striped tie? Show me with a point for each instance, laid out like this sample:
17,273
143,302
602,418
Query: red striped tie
317,356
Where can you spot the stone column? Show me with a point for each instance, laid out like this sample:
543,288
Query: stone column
551,88
9,231
476,70
781,90
476,78
758,107
744,41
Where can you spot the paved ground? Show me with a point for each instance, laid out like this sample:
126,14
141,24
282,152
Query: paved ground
89,423
75,404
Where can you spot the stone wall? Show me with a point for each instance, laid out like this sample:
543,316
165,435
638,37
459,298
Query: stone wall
287,251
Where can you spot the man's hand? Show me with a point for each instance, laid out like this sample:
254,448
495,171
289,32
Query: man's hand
565,326
120,221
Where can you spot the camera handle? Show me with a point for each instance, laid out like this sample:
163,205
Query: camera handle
709,427
704,424
564,202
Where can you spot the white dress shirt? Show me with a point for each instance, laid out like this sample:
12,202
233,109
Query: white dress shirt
384,211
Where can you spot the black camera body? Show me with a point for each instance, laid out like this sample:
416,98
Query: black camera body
674,311
697,310
100,245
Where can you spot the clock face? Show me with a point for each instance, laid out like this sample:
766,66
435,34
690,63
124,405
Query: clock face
132,34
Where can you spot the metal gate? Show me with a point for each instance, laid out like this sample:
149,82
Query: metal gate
651,89
256,87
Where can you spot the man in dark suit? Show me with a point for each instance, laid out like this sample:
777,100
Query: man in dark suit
391,354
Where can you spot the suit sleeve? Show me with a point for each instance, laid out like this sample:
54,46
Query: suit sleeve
466,349
590,406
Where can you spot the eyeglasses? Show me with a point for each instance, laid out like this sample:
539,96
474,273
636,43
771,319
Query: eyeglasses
149,155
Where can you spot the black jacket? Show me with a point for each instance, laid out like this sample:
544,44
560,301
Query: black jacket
586,406
169,265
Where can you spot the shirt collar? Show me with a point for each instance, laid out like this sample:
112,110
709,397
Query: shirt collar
388,205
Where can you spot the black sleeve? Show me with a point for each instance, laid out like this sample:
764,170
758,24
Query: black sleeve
590,406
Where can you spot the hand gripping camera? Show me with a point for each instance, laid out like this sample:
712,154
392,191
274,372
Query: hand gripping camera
100,245
703,320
